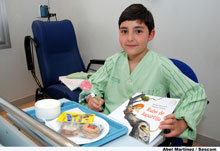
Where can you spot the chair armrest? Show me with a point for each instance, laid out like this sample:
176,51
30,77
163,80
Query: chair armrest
188,143
95,61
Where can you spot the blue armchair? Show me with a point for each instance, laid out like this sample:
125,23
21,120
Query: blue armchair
57,54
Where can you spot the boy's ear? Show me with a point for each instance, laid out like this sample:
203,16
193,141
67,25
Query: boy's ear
152,34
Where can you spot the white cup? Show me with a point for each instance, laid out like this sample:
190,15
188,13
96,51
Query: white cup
47,109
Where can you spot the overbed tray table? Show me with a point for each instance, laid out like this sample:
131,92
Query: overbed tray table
117,134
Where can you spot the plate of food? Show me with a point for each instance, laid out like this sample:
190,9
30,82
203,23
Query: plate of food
81,133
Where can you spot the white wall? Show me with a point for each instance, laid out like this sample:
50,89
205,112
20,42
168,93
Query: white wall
185,29
15,80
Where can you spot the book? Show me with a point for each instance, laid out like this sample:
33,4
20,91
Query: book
142,115
72,84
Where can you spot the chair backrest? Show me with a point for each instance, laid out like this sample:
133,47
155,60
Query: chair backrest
188,71
57,50
185,69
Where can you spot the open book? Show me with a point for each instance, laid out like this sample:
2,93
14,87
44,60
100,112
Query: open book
72,84
142,115
72,81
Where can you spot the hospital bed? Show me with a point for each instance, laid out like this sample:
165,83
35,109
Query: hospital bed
11,136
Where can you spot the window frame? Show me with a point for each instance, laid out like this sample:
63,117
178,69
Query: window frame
5,41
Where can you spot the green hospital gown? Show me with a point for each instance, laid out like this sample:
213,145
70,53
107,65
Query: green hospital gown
154,75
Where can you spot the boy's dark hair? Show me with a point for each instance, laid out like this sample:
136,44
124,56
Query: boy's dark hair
137,12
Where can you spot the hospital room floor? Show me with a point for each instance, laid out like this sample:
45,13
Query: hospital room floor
32,104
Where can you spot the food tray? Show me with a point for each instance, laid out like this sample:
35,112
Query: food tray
116,129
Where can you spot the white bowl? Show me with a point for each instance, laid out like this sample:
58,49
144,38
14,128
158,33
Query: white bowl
47,109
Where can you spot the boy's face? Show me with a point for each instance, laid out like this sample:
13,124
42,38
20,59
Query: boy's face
134,37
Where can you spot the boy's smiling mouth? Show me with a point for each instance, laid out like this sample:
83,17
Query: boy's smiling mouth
131,46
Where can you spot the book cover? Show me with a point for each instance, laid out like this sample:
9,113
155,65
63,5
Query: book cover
142,115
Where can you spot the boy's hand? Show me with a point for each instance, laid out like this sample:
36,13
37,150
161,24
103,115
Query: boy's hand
175,126
94,104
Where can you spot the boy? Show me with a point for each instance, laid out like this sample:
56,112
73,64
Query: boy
138,69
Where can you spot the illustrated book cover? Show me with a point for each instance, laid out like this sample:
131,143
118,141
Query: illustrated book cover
142,115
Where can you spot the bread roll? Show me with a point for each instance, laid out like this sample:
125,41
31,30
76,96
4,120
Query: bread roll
69,129
90,130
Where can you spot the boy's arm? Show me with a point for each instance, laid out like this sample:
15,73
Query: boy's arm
99,81
193,98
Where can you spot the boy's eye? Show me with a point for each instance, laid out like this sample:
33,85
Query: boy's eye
138,31
124,31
